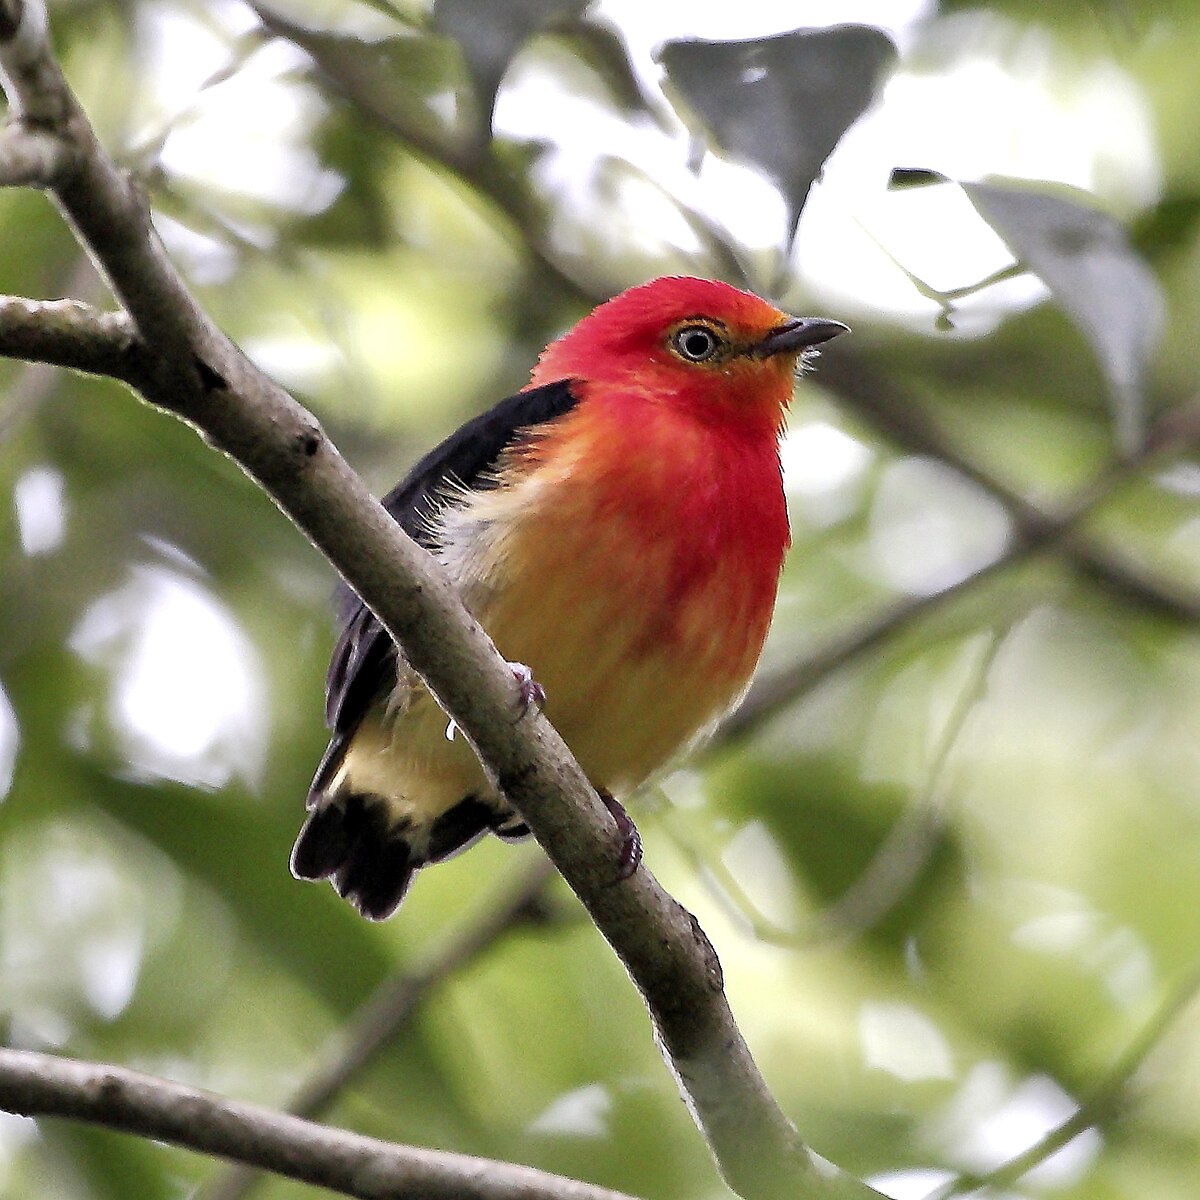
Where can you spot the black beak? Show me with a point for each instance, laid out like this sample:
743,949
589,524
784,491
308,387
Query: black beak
800,333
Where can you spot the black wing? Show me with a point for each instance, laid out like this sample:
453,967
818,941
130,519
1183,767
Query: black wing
364,656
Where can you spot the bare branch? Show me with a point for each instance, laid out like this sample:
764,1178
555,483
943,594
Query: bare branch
67,333
192,370
40,1085
31,386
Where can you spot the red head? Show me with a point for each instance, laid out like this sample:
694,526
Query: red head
693,341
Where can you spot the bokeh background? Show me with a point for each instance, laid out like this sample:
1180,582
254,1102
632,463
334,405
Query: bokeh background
948,854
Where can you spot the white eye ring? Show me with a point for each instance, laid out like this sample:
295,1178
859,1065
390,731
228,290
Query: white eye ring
695,343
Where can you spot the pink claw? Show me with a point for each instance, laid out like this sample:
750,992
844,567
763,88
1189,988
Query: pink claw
533,695
631,841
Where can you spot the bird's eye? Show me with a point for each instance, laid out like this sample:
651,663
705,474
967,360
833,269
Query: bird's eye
696,343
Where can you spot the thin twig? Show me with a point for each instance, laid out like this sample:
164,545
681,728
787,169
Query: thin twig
68,333
36,381
899,860
1105,1100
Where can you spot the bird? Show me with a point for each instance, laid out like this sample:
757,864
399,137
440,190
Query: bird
618,528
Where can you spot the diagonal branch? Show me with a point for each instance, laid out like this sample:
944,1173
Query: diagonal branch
898,417
1172,435
195,372
36,1085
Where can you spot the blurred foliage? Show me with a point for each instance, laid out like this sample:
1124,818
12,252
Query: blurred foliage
1023,756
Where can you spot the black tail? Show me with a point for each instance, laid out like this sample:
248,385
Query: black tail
352,841
355,841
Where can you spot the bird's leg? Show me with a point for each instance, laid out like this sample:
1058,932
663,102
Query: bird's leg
631,840
533,695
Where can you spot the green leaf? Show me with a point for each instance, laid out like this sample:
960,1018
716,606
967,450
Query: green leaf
361,213
1168,226
1084,257
781,103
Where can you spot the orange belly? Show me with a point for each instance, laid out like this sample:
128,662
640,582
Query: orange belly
632,670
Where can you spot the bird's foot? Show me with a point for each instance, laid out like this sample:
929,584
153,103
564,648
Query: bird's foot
533,695
631,841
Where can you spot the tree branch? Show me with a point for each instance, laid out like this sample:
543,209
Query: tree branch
66,333
193,371
36,1085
